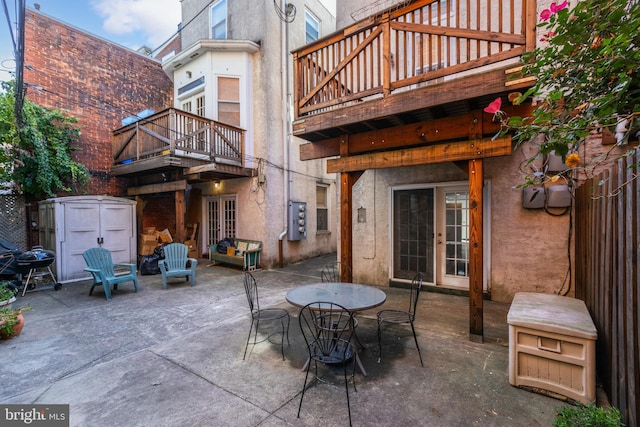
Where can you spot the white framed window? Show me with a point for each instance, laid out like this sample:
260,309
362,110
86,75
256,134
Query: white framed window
322,208
186,106
229,100
200,106
219,20
312,27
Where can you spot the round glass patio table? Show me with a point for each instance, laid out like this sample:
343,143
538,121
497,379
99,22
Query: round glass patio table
352,296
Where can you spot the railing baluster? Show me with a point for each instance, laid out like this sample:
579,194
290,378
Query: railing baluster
403,47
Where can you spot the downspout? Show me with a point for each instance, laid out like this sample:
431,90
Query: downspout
286,188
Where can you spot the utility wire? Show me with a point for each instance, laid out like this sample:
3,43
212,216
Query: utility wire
6,13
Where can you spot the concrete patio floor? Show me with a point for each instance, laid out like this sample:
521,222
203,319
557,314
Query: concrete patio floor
174,358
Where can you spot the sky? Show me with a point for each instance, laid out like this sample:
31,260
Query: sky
130,23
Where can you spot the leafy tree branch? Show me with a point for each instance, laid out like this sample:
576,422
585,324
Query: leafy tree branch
587,73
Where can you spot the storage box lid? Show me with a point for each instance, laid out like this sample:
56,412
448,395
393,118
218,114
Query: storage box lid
552,313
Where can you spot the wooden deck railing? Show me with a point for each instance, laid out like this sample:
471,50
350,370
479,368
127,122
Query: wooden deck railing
422,42
607,277
178,133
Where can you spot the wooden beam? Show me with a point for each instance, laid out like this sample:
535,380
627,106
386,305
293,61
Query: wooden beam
164,187
180,214
140,204
476,180
220,168
429,96
439,153
321,149
346,229
472,125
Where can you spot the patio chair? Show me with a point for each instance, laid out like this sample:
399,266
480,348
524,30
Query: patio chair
176,263
400,317
327,329
258,314
332,272
102,268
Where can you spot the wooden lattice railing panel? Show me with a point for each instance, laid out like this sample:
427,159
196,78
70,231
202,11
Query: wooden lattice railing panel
178,133
403,47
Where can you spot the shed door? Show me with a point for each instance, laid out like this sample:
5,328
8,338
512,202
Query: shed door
84,224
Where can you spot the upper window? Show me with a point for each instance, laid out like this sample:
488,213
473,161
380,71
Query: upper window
219,20
229,100
312,27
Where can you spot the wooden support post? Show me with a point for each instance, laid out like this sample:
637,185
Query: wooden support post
346,228
140,202
180,213
475,250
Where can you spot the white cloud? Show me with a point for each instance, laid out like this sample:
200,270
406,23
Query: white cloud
157,20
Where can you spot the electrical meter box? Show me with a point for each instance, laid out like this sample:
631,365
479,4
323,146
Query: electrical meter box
297,229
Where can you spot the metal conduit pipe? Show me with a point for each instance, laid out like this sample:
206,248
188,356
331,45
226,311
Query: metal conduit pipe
286,190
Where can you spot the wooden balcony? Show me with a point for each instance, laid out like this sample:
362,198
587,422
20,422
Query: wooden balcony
428,60
172,140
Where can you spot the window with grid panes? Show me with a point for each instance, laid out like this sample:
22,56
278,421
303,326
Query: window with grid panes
322,210
200,106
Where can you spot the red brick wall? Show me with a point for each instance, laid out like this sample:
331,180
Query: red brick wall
160,212
174,45
95,80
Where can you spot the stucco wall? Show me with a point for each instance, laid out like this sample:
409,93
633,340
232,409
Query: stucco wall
271,150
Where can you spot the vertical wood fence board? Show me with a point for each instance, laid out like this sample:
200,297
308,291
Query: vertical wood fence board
607,211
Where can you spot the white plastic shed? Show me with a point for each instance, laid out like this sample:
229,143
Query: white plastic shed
70,225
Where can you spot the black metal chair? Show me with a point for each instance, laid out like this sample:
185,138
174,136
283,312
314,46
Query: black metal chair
400,317
327,329
257,314
332,272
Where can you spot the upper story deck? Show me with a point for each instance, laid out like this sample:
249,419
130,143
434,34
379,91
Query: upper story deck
428,60
177,141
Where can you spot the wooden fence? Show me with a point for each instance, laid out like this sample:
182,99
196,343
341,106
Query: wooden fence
607,241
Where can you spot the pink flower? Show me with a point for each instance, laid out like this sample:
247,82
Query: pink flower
557,7
545,15
494,106
553,9
547,36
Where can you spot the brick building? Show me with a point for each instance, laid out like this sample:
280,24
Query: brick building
95,80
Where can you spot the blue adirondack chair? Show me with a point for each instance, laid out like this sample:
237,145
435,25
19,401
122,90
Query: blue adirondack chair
102,268
175,263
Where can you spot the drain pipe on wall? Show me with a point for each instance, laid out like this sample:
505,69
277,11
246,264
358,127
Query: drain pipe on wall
286,189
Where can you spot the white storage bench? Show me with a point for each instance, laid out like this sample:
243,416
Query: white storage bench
552,346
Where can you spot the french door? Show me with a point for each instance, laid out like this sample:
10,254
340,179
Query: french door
413,233
431,235
221,218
